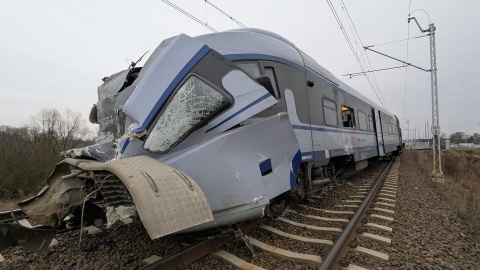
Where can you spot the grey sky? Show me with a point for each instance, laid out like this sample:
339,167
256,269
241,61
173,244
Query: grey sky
53,54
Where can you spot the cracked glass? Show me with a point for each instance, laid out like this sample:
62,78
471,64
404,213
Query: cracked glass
193,102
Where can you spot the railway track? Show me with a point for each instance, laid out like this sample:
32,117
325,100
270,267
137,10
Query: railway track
318,233
9,216
352,233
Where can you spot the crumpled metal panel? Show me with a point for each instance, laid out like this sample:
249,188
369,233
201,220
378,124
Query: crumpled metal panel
167,200
52,204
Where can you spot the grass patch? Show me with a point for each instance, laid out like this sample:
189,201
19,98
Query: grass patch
462,183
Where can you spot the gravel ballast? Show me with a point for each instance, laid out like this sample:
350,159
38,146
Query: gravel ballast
426,235
426,232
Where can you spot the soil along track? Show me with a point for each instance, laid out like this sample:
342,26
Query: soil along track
428,234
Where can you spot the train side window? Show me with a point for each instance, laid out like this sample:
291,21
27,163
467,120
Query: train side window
330,112
370,123
348,117
362,121
389,128
251,69
271,74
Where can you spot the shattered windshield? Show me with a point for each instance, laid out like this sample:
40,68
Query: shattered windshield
192,103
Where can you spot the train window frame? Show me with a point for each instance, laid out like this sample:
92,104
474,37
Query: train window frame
359,113
228,104
370,123
254,64
348,123
335,110
273,80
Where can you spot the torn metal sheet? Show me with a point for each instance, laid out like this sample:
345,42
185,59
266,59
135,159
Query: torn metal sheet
120,213
101,151
54,203
178,201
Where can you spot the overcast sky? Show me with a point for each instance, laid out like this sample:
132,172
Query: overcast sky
53,54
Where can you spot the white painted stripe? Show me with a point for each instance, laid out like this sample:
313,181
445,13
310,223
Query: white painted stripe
316,228
388,195
353,267
385,199
226,257
371,252
381,217
386,204
327,211
376,237
297,237
321,218
312,260
351,201
383,210
346,205
378,226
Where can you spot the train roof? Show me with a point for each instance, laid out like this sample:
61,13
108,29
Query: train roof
251,43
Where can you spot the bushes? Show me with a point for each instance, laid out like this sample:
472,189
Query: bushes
462,183
30,153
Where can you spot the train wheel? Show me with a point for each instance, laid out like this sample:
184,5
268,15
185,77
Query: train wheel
276,207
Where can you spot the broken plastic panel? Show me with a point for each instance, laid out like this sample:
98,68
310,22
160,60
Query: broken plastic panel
193,103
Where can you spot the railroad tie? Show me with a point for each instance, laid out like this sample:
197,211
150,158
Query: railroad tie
229,258
312,260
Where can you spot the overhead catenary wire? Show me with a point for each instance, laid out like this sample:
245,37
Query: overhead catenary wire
357,58
224,13
395,41
190,15
366,55
406,69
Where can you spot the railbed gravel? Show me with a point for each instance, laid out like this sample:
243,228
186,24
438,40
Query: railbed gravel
426,235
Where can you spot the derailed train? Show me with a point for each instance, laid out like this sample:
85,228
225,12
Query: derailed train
214,130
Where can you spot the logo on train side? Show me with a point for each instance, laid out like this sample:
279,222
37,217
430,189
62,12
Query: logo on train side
307,157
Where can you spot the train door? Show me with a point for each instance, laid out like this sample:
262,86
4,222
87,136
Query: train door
378,131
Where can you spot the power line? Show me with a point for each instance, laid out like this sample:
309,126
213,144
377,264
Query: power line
406,70
368,71
224,13
357,58
405,39
366,55
368,59
190,16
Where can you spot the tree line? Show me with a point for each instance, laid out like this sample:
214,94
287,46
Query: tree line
29,153
462,137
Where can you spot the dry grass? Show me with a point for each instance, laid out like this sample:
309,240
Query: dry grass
7,205
462,183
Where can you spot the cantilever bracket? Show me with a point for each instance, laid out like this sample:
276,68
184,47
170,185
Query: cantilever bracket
405,63
415,19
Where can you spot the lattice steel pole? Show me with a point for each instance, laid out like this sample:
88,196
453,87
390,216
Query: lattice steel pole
437,174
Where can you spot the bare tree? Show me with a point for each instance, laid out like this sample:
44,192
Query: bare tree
58,132
29,154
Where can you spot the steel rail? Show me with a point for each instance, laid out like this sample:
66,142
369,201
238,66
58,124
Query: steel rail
9,216
184,257
336,258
